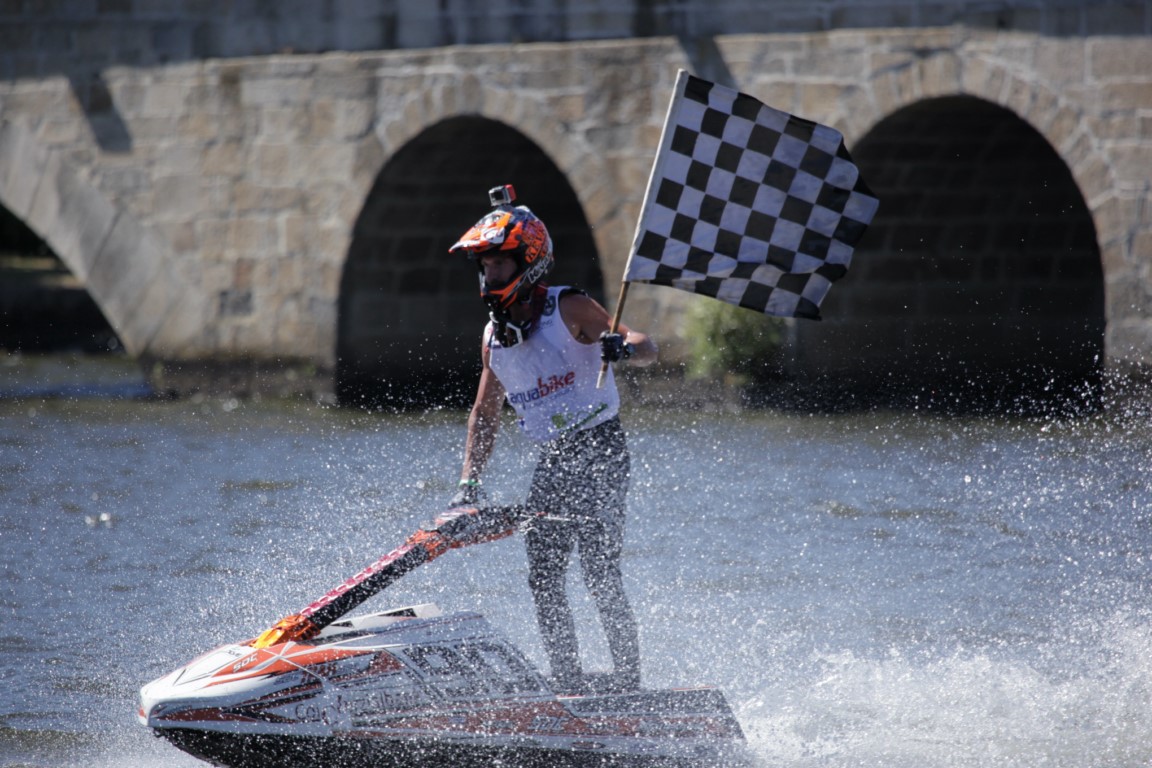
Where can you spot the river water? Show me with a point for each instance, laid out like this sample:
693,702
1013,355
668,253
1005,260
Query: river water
877,589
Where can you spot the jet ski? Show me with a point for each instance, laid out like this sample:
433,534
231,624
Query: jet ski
414,687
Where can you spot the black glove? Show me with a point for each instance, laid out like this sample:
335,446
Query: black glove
469,494
613,348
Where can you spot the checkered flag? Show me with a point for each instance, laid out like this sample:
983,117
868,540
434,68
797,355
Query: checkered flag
748,204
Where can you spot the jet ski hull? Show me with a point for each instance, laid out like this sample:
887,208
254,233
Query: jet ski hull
248,751
416,688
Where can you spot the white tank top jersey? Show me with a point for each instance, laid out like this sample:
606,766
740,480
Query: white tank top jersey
550,377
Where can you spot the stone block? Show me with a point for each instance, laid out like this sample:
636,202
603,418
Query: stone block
211,232
352,119
249,198
60,131
827,61
180,235
1142,247
1060,61
1078,148
1064,125
939,75
198,126
168,100
975,74
257,237
176,198
290,124
225,158
1132,162
274,163
1018,95
72,216
1125,127
1124,96
328,162
1015,50
22,167
35,99
780,95
183,332
568,108
275,91
818,101
1112,216
1144,129
1042,109
127,263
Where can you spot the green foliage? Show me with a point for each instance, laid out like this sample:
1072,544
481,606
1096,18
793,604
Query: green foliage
732,341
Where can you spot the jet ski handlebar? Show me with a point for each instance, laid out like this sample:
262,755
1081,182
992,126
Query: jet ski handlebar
455,528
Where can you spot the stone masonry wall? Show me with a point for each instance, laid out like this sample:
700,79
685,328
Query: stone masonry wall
209,204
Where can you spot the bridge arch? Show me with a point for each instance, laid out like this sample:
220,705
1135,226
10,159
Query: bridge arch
43,307
981,280
125,269
409,316
942,72
545,121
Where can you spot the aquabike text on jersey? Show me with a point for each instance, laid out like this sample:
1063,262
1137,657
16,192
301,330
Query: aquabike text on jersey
555,383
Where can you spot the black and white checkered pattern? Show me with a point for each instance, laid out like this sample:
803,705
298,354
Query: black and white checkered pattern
748,204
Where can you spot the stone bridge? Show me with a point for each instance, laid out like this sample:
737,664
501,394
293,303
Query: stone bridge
272,199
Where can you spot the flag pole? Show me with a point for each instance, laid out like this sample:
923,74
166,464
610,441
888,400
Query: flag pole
657,169
615,326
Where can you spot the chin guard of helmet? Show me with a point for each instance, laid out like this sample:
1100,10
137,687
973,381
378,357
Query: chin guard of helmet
509,332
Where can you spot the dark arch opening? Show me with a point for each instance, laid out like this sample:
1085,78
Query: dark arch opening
410,314
43,307
980,284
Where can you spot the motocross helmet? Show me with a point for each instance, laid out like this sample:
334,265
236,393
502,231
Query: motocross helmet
516,232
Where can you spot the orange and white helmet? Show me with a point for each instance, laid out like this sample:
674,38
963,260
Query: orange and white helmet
516,232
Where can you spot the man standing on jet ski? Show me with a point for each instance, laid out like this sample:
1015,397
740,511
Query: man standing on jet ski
542,351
